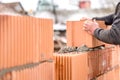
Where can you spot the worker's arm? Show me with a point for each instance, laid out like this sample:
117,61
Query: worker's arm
111,36
108,19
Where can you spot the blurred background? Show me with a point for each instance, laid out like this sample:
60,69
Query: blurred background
58,10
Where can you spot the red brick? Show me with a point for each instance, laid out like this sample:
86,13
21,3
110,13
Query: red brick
99,62
76,36
71,66
44,71
24,40
115,56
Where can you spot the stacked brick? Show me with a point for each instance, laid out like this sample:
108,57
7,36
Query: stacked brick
26,40
43,71
113,73
101,63
71,66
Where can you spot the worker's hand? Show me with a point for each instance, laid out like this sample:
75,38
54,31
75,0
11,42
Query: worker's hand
90,26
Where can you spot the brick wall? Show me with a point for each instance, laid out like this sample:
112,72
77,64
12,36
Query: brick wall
26,40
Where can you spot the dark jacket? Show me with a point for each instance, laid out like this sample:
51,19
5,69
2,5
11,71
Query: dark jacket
111,36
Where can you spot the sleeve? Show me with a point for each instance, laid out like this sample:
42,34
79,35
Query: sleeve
111,36
108,19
